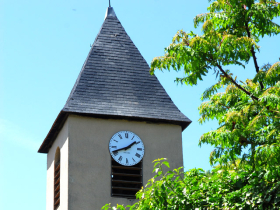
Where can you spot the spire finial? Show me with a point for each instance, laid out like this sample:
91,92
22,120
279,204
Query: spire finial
109,3
110,12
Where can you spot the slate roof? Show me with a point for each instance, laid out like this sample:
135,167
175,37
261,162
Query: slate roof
115,83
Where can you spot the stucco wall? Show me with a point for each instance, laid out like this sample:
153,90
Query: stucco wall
61,142
89,157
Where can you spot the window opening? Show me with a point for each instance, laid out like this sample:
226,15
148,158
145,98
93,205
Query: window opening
126,181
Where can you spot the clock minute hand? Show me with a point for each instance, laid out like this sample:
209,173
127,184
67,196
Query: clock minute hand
126,147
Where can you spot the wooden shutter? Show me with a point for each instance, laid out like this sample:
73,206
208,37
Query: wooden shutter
57,185
126,180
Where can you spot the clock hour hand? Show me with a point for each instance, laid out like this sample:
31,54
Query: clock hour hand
126,147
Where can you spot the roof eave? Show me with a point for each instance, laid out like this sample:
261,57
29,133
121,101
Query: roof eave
56,127
63,115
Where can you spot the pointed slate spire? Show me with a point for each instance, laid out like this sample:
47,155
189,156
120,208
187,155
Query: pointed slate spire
115,83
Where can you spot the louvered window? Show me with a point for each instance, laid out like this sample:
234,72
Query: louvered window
57,180
126,180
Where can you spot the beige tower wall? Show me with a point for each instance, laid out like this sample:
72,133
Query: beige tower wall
89,157
61,142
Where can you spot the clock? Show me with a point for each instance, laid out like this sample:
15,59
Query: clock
126,148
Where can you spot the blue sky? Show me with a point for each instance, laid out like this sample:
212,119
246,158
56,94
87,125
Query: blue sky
43,46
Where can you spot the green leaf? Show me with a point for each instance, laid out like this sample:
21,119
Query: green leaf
166,164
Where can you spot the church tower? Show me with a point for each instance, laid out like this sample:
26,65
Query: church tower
116,121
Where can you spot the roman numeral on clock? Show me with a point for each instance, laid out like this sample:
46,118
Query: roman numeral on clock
138,142
115,153
140,149
137,155
126,135
133,160
126,161
120,158
120,136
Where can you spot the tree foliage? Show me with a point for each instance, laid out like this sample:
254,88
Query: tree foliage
200,190
247,111
247,142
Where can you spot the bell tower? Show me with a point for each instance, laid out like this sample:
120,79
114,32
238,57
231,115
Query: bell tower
116,121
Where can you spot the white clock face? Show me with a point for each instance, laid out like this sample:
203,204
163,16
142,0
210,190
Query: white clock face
126,148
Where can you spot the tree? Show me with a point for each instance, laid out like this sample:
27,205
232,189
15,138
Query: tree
248,112
200,190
